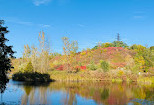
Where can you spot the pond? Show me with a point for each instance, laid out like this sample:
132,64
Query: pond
77,93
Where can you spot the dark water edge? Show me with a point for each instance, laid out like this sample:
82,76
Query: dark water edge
77,93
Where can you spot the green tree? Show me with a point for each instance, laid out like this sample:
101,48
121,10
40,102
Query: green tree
104,45
119,44
92,66
6,53
29,67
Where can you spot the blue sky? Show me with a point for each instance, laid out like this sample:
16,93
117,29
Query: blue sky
87,21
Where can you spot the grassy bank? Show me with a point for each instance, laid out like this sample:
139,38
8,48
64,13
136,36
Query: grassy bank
145,80
99,76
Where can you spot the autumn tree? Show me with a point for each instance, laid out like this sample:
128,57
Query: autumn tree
69,49
44,53
144,56
34,57
26,53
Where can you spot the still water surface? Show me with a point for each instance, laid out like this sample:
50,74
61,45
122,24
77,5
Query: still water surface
77,93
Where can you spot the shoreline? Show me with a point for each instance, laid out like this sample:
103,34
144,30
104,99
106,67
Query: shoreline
94,76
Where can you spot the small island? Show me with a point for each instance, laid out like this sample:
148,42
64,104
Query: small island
29,76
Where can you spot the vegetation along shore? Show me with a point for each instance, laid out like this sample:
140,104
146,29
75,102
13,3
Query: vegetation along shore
114,62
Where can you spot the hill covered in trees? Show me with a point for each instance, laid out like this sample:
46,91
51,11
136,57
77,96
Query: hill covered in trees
105,61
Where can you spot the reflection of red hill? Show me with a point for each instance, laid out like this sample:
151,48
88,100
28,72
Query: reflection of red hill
117,99
104,92
112,100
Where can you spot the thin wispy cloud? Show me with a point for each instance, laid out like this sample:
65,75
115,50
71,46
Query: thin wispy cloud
139,14
26,23
45,25
39,2
138,17
17,21
81,25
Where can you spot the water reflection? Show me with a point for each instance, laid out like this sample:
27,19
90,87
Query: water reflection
2,86
34,93
78,93
3,81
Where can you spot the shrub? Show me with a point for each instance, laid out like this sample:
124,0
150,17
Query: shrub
152,48
83,67
104,65
92,66
78,68
120,73
59,67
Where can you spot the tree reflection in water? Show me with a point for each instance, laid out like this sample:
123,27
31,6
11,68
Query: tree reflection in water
3,81
3,85
69,98
34,94
100,92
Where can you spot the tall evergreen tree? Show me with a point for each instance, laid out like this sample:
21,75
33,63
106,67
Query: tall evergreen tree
6,53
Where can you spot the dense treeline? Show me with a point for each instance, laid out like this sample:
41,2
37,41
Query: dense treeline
105,57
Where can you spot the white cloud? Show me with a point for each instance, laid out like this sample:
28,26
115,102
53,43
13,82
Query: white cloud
39,2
